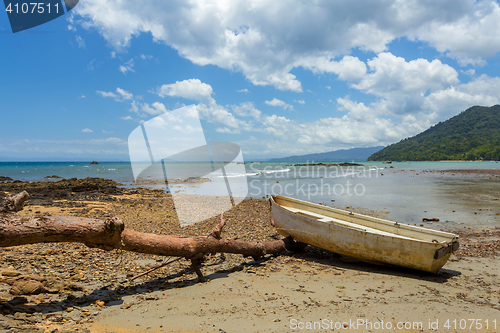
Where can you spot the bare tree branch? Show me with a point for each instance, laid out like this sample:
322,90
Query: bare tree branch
111,234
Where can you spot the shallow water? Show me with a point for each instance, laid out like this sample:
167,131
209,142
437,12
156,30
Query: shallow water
406,191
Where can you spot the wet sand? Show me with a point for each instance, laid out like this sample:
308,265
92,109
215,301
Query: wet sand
275,294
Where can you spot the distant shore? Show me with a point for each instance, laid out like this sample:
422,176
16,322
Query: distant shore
471,172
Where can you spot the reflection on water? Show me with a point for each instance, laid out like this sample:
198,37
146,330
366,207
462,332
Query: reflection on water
407,193
403,189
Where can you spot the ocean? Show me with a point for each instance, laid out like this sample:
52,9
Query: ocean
406,191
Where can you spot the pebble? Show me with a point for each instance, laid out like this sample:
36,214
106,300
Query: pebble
126,305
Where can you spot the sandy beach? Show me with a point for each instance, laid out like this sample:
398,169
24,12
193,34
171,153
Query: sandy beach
89,290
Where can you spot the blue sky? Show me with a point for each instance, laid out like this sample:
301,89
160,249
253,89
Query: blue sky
279,79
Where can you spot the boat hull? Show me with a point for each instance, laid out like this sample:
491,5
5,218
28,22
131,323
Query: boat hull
339,231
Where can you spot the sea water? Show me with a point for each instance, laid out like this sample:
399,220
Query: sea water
405,190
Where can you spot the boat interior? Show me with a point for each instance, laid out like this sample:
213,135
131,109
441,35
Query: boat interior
363,222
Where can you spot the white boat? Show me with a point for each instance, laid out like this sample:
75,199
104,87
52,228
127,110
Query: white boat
363,237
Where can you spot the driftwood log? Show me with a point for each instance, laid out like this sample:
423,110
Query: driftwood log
111,234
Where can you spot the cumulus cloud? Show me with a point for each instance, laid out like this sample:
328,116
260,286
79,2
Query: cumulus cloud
192,89
393,74
218,114
483,90
155,109
468,38
401,86
87,130
265,41
246,109
277,102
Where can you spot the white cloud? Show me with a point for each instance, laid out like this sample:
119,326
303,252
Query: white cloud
469,38
120,96
127,67
126,118
90,147
246,109
243,90
277,102
218,114
393,74
87,130
301,101
192,89
134,107
144,57
470,72
155,109
227,130
401,86
80,41
90,66
187,129
113,54
265,41
82,96
124,94
360,127
446,103
107,94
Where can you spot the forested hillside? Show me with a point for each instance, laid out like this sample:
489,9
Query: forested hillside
474,134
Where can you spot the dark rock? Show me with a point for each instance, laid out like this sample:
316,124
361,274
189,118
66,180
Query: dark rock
85,188
18,301
93,163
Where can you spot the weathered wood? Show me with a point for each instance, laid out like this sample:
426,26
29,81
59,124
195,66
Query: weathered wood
111,234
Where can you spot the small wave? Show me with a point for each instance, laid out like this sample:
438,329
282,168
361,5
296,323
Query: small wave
263,172
253,173
275,171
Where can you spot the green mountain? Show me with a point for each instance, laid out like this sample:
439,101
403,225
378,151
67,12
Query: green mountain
473,134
